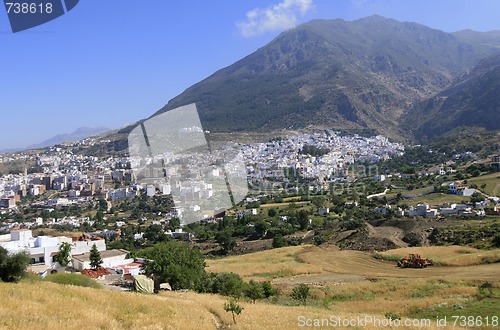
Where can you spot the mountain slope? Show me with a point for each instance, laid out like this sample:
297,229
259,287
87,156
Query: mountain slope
473,101
79,134
349,75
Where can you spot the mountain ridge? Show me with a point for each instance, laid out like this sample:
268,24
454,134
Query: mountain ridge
77,135
474,100
361,74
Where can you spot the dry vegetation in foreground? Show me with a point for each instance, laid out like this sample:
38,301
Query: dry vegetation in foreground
265,265
396,296
51,306
41,304
449,255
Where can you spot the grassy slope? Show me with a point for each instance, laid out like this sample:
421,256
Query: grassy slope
262,265
492,182
52,306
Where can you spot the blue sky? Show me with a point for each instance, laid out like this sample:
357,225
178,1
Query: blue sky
113,62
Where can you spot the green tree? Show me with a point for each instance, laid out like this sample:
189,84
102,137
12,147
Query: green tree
95,257
301,293
485,289
303,219
268,289
272,212
261,227
174,223
64,255
175,263
102,204
231,285
318,201
99,216
254,290
12,267
226,241
279,241
233,307
476,197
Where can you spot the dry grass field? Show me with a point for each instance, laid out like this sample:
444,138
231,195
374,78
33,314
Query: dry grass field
435,199
450,255
265,265
345,284
492,182
312,264
51,306
44,305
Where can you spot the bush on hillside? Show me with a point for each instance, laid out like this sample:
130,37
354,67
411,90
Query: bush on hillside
73,279
12,266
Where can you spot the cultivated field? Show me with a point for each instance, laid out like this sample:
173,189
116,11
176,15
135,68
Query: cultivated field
450,255
311,264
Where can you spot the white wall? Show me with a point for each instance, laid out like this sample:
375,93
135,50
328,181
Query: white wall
81,247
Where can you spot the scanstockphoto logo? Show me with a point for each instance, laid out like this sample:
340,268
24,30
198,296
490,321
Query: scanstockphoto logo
170,152
24,15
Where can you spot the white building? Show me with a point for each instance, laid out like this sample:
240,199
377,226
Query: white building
110,259
42,249
150,191
323,210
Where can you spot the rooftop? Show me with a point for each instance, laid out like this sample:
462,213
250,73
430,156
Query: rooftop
104,254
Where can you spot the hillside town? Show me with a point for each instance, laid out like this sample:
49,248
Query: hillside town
302,165
77,180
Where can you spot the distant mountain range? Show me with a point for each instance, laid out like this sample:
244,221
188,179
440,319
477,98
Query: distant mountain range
403,80
79,134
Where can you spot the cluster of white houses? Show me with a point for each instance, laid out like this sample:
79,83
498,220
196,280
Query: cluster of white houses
424,210
43,249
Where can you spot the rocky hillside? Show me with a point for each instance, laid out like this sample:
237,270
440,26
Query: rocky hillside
473,101
361,74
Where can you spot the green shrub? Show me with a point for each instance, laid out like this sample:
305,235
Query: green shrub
12,267
226,284
301,293
392,316
73,279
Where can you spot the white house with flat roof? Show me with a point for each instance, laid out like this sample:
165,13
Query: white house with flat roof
42,249
110,259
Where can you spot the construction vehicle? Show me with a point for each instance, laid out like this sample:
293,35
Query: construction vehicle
414,261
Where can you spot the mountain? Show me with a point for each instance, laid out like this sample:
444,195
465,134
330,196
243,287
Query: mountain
79,134
360,74
473,101
479,39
